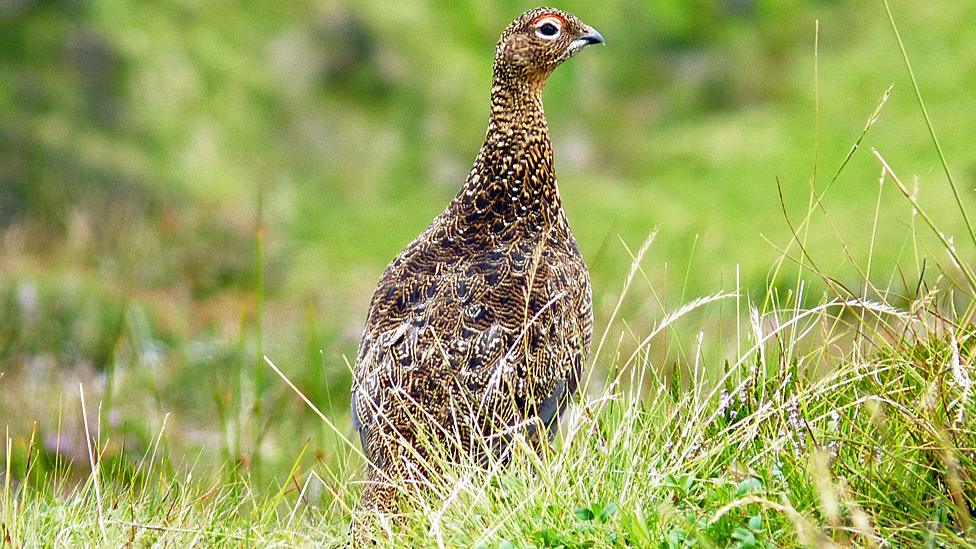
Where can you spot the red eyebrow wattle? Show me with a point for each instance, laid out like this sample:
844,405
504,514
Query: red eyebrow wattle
551,17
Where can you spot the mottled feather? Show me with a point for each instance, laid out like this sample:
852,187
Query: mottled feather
480,327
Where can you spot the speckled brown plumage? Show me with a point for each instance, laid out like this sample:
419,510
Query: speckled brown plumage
479,329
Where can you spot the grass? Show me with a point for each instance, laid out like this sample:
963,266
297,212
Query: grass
820,394
847,424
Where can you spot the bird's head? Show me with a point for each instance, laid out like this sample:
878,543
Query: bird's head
539,41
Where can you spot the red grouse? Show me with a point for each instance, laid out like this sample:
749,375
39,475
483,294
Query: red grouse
478,331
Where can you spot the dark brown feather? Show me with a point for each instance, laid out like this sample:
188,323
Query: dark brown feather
479,329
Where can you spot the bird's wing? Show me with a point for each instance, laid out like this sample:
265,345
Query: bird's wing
382,354
467,327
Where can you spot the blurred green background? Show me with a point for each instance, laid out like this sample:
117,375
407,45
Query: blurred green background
157,157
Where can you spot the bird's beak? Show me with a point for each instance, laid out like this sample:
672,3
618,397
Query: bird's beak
591,36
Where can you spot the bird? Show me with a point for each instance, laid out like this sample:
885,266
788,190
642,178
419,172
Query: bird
478,330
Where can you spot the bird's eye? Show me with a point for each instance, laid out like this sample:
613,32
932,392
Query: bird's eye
548,29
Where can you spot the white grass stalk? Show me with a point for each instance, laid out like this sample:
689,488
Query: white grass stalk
6,477
95,464
338,432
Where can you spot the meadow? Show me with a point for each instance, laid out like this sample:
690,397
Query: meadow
776,202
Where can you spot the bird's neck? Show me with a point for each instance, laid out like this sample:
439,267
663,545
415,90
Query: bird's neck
513,181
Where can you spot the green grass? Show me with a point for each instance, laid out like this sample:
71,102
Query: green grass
820,392
845,423
798,442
